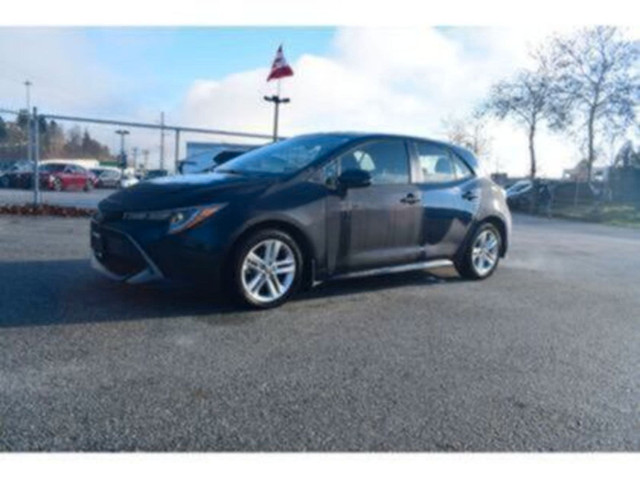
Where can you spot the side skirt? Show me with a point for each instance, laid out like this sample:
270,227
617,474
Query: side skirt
396,269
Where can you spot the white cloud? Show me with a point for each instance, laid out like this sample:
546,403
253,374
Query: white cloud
403,80
66,75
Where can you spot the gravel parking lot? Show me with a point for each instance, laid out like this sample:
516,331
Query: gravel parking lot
545,355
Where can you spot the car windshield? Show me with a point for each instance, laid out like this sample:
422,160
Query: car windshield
288,156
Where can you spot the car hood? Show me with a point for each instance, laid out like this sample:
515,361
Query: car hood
184,191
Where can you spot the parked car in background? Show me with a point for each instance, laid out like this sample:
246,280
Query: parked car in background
306,210
66,176
519,195
107,177
17,175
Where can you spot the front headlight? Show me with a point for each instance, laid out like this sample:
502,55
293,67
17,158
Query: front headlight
179,219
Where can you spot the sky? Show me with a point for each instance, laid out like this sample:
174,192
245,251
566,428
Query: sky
399,80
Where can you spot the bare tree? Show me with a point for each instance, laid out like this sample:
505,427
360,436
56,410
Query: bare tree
597,77
528,99
468,132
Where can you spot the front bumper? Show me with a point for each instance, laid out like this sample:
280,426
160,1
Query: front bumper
140,252
119,257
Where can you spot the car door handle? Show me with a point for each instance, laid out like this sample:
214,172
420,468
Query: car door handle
469,195
410,199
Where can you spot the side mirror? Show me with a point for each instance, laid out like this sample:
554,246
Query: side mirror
354,179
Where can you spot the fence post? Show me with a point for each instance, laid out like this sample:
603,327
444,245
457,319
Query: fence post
177,151
36,157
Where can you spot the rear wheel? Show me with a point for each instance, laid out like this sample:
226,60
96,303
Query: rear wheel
482,256
4,182
88,186
57,185
267,269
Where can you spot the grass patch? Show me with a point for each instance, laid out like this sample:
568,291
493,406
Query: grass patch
625,215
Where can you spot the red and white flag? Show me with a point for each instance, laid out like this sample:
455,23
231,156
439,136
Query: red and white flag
280,67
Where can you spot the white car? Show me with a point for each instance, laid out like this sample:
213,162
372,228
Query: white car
128,181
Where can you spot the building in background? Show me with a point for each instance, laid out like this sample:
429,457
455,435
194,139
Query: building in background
580,171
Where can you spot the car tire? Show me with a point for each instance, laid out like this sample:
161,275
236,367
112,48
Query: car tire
267,269
88,186
4,182
57,185
482,253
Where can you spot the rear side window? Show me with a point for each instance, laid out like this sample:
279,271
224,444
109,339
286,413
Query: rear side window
437,165
387,161
434,164
461,168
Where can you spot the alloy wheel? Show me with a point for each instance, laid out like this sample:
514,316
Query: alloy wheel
268,270
484,253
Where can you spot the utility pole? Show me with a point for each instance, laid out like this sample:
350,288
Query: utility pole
27,85
123,155
162,140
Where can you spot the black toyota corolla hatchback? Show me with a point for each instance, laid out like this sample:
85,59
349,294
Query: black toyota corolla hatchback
306,210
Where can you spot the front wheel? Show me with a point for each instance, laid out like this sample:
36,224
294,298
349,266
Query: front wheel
267,269
482,255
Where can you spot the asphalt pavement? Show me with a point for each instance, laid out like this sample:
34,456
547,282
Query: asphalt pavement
544,355
74,198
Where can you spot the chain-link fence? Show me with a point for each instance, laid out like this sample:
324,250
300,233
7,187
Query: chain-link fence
602,202
31,140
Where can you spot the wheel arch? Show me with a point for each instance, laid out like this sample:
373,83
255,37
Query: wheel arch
304,243
494,220
501,225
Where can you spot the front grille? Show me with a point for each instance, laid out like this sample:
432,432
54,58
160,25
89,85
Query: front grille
116,252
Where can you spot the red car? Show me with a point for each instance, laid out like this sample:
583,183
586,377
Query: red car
66,176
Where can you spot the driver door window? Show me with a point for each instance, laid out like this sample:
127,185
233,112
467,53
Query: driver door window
386,161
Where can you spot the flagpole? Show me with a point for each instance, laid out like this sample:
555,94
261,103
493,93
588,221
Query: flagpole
277,99
277,112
